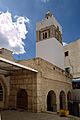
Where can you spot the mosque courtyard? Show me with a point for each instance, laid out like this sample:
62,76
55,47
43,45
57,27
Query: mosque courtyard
23,115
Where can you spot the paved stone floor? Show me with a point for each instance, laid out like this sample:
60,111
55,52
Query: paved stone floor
20,115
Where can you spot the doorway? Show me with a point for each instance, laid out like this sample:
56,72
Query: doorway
22,99
51,101
62,98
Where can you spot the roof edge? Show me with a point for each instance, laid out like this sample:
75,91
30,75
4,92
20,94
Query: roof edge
18,65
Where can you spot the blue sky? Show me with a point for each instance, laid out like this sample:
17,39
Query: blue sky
67,12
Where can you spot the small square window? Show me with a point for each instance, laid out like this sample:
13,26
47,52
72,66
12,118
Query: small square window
66,53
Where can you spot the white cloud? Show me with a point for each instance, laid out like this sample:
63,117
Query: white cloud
12,32
64,44
45,1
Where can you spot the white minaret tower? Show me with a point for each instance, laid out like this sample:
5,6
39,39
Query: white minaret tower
49,40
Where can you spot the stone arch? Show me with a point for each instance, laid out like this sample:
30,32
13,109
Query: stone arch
69,96
22,99
3,93
62,98
69,104
51,101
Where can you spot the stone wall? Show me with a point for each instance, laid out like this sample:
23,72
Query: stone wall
47,85
23,79
6,54
5,85
49,77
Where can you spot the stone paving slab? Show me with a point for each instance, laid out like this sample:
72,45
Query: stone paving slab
23,115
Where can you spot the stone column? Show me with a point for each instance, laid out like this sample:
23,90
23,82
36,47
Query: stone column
12,98
39,94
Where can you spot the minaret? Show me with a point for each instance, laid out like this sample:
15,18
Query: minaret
49,40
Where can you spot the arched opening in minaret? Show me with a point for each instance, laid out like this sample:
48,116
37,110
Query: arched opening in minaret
45,34
51,101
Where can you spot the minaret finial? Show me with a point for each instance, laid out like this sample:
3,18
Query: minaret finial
48,14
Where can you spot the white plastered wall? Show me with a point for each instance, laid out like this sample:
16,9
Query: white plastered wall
52,51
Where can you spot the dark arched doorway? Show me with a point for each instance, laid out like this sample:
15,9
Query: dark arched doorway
69,103
22,99
51,101
62,98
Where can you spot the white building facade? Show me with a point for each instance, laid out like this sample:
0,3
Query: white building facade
72,65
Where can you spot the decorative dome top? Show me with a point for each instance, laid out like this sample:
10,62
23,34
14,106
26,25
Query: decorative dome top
48,14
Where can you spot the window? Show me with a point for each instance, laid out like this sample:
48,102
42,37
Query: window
45,34
0,51
76,84
66,53
67,70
